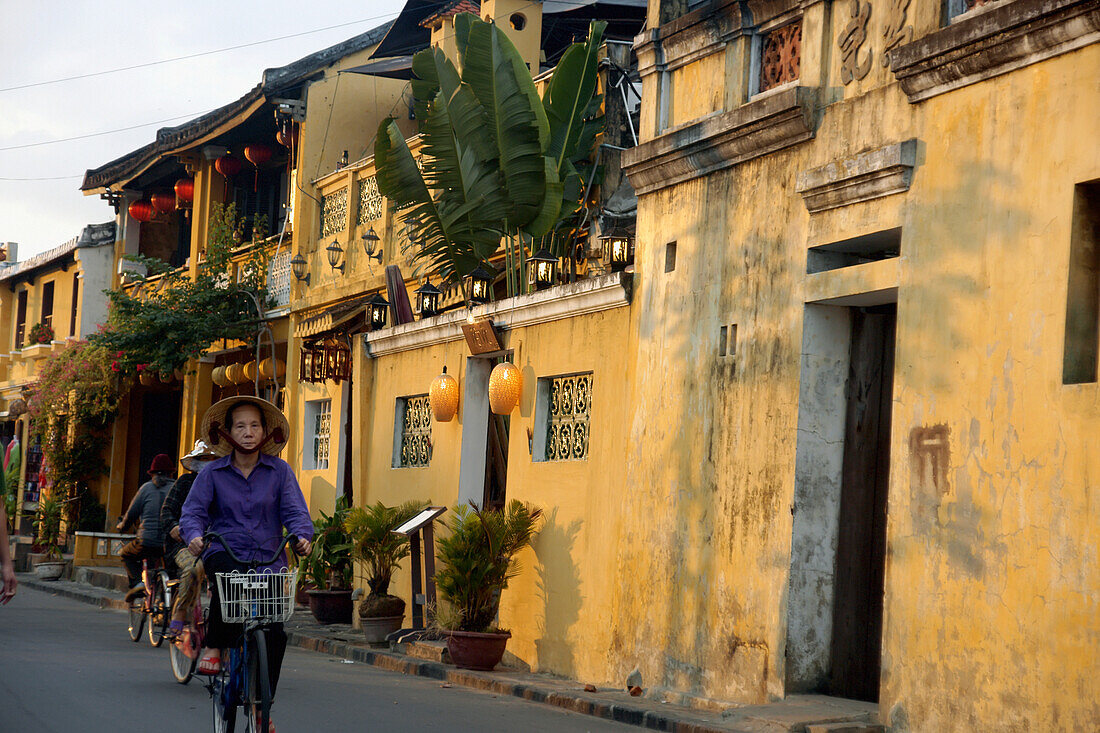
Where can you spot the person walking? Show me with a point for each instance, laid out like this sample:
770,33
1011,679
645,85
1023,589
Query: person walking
146,507
248,496
188,567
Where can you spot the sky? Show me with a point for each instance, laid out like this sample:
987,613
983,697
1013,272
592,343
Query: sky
46,41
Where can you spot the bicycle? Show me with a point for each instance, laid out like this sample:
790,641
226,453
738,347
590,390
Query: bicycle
184,651
155,603
258,600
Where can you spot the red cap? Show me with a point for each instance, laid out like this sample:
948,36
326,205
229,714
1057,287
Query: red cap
162,464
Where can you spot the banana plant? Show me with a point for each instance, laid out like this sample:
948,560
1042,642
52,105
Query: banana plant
497,159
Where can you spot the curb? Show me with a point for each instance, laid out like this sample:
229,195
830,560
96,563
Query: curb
591,705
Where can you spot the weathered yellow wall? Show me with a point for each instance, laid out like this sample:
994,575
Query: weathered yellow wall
992,578
693,93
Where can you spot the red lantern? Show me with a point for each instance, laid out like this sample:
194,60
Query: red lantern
228,166
141,210
164,202
287,135
185,189
257,154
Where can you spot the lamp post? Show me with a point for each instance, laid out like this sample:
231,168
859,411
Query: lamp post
335,253
481,284
428,297
618,247
370,245
298,267
542,269
378,311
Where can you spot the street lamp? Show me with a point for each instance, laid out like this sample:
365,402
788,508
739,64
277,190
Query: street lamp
370,244
427,299
298,267
481,284
379,307
542,269
335,253
618,247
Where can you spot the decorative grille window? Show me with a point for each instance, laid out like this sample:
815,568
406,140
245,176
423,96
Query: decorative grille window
319,417
334,212
567,410
370,201
278,278
414,432
781,56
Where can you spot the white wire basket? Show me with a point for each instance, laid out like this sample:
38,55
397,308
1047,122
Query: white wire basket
265,597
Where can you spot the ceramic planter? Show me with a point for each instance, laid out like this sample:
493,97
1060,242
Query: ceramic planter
330,606
377,628
473,650
49,570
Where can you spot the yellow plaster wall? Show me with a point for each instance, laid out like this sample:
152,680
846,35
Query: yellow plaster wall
992,577
693,93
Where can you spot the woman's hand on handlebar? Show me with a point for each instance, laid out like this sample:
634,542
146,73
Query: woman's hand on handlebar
302,546
196,546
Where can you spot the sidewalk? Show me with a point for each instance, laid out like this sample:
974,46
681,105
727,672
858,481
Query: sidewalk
796,714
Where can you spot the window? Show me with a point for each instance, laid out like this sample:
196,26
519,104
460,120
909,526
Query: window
319,428
1082,339
334,212
412,445
780,56
47,304
20,319
562,411
74,311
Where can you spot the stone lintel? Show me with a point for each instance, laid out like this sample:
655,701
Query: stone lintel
722,140
868,175
1006,37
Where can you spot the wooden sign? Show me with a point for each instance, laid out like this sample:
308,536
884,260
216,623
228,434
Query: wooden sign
480,337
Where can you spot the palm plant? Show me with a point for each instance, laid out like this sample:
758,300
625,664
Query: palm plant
497,159
47,526
381,550
478,559
328,564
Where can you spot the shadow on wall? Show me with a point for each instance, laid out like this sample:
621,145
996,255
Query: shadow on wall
559,585
322,496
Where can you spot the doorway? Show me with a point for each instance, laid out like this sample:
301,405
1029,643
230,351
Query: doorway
160,428
496,456
835,599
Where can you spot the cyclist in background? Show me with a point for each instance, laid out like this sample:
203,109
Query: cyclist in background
247,496
149,544
187,567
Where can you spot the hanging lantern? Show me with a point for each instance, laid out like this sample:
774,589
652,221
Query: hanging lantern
228,166
165,377
141,210
505,384
443,397
217,376
185,190
250,372
337,360
163,202
257,155
481,285
270,369
379,307
542,269
427,299
235,373
287,135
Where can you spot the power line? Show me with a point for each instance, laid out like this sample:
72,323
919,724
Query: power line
97,134
195,55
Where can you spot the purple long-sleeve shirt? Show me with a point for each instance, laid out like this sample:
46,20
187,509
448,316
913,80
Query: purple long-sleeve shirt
250,513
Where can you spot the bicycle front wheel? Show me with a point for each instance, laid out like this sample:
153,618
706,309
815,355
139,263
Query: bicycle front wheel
257,705
158,617
183,666
137,617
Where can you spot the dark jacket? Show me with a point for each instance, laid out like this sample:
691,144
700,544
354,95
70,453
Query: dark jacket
146,507
170,512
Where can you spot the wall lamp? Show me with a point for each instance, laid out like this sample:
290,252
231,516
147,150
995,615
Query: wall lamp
618,247
298,267
481,284
542,269
335,254
370,244
379,307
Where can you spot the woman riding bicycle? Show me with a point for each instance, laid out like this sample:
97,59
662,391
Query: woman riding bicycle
248,495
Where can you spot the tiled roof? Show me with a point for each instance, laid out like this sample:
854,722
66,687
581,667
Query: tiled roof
461,6
93,235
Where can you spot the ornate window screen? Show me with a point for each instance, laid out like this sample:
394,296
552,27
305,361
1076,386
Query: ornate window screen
568,411
322,429
414,421
334,212
781,56
278,278
371,203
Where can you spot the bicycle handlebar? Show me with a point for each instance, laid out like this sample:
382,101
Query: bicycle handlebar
289,540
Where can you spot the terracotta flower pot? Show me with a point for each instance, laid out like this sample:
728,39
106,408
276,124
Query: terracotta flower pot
331,606
473,650
377,628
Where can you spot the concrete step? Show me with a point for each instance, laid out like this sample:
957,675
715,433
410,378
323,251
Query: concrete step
432,651
106,578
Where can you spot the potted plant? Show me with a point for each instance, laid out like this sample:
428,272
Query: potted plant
477,560
381,550
47,527
328,566
40,333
